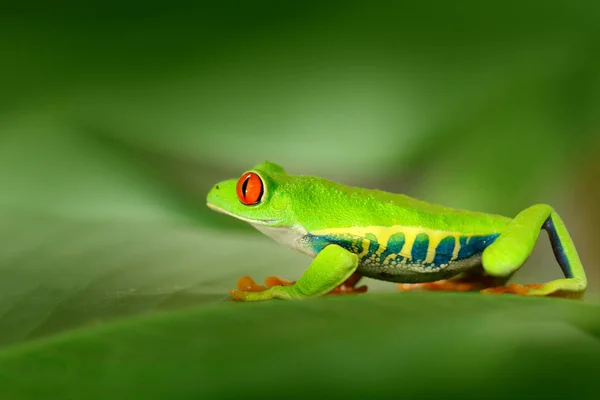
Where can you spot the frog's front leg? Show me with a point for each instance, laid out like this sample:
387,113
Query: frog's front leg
330,268
503,257
349,286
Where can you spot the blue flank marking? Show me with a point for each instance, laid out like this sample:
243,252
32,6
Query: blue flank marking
419,248
472,245
394,246
318,242
443,251
464,250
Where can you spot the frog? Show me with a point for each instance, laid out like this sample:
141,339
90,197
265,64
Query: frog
353,232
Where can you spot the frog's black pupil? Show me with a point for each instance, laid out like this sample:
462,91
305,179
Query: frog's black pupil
245,185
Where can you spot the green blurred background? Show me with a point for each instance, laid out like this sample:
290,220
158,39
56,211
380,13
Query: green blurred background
116,119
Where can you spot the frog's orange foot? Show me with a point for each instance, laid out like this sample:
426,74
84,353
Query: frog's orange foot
238,295
408,287
349,286
463,284
442,285
247,284
271,281
513,288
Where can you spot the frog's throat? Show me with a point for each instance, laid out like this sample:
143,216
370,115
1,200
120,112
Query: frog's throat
293,237
265,222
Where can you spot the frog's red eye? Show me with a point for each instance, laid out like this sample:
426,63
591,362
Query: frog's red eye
250,188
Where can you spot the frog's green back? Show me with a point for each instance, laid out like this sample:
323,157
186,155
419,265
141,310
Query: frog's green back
320,204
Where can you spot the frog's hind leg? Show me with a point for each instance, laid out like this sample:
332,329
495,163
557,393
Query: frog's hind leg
506,255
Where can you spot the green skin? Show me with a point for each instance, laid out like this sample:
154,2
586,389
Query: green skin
294,208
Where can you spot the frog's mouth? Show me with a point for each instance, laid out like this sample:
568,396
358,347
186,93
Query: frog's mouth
268,222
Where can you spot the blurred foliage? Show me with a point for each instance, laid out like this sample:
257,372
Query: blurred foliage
357,347
116,119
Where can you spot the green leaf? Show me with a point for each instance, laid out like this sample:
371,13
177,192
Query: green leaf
60,273
400,345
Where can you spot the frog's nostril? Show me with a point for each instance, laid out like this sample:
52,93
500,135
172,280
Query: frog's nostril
217,187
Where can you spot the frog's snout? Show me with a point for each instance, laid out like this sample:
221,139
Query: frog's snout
213,192
222,193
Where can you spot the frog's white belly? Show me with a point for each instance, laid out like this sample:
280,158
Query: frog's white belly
292,237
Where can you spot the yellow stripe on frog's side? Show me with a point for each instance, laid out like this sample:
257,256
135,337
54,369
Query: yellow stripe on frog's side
409,242
365,248
456,248
389,258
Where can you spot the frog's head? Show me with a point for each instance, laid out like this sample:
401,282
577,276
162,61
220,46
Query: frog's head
256,197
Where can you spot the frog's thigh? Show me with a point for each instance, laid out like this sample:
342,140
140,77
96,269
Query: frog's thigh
512,248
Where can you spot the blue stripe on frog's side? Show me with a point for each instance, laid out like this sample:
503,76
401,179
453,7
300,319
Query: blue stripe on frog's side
418,252
444,251
394,246
472,245
348,242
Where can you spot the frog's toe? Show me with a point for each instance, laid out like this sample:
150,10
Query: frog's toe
407,287
249,290
461,284
271,281
451,285
238,295
247,284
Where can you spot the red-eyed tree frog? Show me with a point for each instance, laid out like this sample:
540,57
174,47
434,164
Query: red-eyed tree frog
353,232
